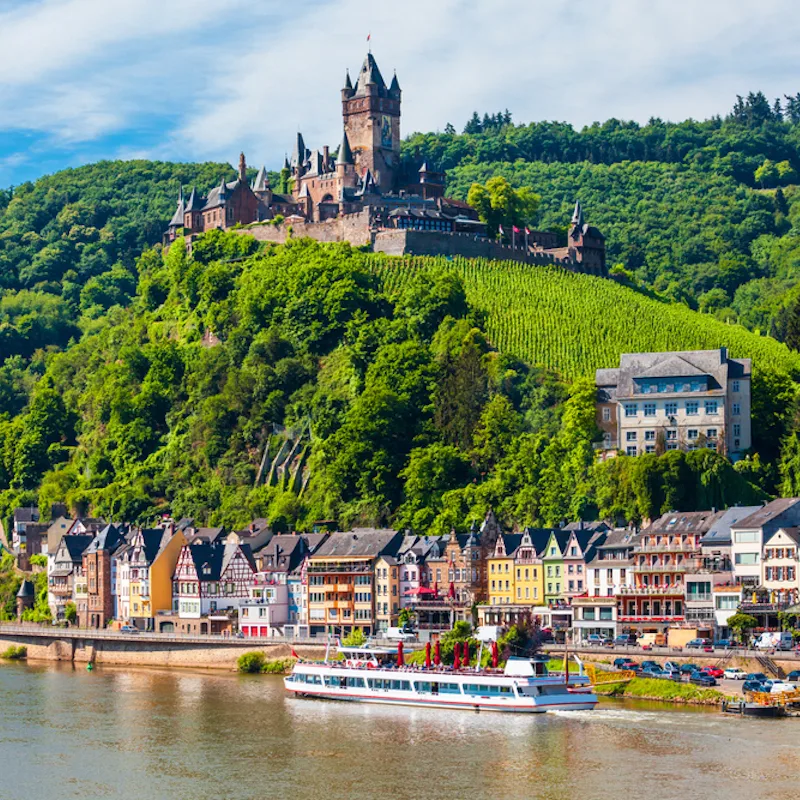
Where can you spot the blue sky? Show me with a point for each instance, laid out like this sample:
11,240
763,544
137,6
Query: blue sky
83,80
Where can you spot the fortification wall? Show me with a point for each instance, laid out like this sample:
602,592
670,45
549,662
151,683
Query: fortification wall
353,228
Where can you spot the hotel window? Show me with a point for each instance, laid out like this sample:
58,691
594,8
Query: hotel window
649,436
670,409
631,409
736,409
672,434
606,415
631,451
630,436
649,409
735,386
711,433
737,430
650,448
711,406
691,408
691,433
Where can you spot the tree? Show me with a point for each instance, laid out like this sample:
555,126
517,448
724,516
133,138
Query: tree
742,624
355,638
70,612
498,203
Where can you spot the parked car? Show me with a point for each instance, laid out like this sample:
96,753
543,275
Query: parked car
723,644
672,666
653,672
596,640
702,679
794,675
128,629
752,686
735,674
714,672
698,644
672,672
759,677
688,669
777,686
625,663
625,640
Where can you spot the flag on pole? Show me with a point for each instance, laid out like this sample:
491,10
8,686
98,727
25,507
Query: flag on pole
516,229
294,654
527,232
500,229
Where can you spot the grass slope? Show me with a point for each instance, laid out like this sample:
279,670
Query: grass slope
574,323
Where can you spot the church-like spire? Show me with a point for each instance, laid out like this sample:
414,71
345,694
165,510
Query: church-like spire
223,190
261,183
299,151
394,87
577,215
348,84
177,217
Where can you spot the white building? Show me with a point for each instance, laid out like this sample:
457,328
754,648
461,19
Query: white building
668,401
594,615
612,567
779,565
750,534
266,611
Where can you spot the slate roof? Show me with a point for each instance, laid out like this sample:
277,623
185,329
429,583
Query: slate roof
541,536
345,154
261,183
684,522
594,526
771,513
207,555
26,515
110,538
177,218
217,197
370,74
26,589
680,364
283,553
76,543
153,539
195,202
360,543
719,533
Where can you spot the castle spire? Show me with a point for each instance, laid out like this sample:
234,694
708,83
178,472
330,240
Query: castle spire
577,215
348,84
345,154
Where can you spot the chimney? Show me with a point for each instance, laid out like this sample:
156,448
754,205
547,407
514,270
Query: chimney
242,168
326,157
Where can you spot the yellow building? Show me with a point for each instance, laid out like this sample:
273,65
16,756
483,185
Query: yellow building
152,556
515,571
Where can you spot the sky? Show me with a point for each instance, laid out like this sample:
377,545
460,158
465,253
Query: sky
193,80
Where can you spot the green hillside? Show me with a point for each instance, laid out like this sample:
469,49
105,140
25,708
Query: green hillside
573,323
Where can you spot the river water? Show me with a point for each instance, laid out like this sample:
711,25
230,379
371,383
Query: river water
150,734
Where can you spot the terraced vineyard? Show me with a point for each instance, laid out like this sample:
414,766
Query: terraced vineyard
574,323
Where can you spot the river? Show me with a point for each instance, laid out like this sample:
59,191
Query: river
149,734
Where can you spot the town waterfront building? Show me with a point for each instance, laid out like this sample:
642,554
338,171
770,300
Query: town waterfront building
61,584
98,568
654,402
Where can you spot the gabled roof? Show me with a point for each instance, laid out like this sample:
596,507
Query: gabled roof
219,194
75,544
791,533
231,550
776,513
683,522
541,536
153,539
283,553
720,531
108,539
207,560
26,514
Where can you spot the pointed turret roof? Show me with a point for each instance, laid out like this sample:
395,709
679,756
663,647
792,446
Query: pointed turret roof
304,191
194,203
286,161
394,87
345,154
261,183
299,155
368,186
577,214
26,590
177,217
348,84
370,74
424,167
222,190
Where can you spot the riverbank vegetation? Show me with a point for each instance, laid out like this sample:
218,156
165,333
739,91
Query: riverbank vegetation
664,690
256,662
15,653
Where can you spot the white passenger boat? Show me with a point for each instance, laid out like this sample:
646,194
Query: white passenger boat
372,675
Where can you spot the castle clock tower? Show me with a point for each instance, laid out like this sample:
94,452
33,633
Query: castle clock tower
371,114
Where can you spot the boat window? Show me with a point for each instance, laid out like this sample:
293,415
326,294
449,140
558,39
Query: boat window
401,686
332,680
423,686
449,688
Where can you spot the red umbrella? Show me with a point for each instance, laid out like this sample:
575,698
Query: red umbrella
427,655
456,656
400,661
451,592
436,587
465,656
437,654
494,655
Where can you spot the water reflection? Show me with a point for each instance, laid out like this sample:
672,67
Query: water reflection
153,734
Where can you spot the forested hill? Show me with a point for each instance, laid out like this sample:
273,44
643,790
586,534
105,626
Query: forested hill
706,213
378,376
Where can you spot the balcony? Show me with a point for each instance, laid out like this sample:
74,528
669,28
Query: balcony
645,591
649,618
683,547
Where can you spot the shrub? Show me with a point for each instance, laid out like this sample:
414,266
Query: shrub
355,639
280,666
15,653
250,662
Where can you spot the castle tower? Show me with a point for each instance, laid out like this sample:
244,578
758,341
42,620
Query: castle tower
586,245
371,115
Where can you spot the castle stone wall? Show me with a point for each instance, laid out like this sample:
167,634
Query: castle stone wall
353,228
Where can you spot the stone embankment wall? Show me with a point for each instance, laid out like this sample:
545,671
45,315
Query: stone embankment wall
353,228
83,647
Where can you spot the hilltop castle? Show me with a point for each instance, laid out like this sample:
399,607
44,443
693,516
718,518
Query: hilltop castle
363,193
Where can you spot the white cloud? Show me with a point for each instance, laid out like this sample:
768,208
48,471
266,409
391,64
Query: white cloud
232,74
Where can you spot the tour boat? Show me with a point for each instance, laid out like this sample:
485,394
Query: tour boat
375,675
